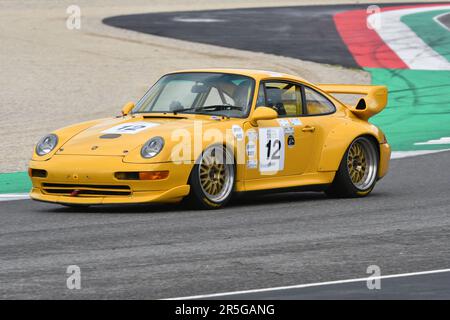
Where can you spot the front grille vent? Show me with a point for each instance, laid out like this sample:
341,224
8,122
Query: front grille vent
85,190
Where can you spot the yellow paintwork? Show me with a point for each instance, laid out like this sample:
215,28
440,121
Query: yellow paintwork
82,158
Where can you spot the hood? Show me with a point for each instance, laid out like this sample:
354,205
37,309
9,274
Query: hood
119,136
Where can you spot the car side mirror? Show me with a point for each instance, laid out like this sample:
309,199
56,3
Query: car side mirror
127,108
262,113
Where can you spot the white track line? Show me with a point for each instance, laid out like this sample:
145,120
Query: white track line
13,196
443,140
196,20
407,154
309,285
439,22
414,52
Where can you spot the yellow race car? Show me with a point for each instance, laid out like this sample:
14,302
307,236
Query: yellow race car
202,136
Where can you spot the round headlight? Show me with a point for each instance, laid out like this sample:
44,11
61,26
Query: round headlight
46,144
152,147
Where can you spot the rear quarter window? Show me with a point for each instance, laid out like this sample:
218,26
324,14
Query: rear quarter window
317,103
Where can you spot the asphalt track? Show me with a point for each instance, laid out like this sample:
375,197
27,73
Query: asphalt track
445,20
302,32
259,242
269,30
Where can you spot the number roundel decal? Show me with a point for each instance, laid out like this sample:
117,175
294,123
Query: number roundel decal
271,149
131,127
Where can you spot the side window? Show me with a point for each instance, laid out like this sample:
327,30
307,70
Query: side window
284,97
317,103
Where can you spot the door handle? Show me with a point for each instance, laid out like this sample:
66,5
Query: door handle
308,129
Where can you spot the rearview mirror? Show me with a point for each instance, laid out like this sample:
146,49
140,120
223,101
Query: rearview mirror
262,113
127,108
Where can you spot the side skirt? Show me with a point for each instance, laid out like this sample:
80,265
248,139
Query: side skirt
311,188
306,180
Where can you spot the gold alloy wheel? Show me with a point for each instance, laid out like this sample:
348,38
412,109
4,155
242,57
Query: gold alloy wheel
356,163
216,173
362,163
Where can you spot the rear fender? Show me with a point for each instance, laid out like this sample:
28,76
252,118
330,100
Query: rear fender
340,138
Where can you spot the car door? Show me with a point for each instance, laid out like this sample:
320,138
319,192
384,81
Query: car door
320,118
282,146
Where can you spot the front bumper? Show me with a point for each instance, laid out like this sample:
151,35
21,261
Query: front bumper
93,178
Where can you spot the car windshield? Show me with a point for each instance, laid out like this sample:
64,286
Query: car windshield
209,93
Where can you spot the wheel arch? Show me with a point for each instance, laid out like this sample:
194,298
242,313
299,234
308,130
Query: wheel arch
231,149
340,138
197,196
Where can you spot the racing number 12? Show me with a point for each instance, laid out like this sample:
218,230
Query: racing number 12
276,144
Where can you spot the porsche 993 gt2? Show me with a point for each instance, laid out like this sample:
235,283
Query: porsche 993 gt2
202,136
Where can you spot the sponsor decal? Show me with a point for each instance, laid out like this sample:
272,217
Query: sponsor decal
288,130
283,122
251,149
252,164
296,122
252,135
291,141
238,133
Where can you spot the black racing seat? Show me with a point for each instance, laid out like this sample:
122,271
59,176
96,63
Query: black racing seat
275,100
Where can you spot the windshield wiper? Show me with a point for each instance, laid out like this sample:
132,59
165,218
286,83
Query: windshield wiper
209,108
222,107
181,110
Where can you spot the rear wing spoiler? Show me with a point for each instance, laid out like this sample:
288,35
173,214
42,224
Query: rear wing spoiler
373,102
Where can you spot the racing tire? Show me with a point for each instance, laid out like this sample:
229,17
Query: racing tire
212,179
358,171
